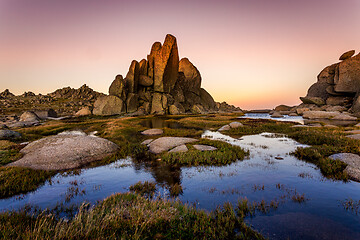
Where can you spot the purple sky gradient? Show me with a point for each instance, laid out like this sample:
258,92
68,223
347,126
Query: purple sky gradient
253,53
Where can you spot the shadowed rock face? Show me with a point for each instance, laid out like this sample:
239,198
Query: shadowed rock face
338,84
160,84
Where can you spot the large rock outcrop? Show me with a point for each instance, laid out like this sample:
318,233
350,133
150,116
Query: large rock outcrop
338,85
160,84
65,151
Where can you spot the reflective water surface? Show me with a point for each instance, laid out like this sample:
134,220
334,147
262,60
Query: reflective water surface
269,173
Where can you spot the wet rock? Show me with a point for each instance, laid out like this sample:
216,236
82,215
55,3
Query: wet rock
181,148
224,128
293,114
29,116
65,151
152,132
108,105
235,125
347,55
353,162
204,148
8,134
165,143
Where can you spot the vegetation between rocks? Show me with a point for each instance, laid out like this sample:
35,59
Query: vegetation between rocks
225,154
15,180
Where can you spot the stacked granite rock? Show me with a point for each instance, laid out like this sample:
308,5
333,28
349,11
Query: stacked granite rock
160,84
338,85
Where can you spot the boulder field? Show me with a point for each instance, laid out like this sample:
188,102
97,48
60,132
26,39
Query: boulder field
160,84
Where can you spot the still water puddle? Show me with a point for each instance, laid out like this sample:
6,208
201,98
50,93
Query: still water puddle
269,174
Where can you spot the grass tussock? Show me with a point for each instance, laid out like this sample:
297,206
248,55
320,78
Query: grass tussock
146,188
15,180
224,155
130,216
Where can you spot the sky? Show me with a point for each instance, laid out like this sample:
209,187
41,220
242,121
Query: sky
251,53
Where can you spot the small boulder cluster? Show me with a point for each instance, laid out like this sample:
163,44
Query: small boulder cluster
161,84
337,87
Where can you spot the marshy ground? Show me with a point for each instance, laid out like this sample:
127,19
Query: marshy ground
247,181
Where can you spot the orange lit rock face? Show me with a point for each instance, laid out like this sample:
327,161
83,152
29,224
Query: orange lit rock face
339,84
159,85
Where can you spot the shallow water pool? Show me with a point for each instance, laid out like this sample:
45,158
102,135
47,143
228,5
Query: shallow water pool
269,173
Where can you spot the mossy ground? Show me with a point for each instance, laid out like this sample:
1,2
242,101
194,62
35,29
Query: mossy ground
224,155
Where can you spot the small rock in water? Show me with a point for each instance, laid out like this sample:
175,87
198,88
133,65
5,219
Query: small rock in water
204,147
276,115
279,158
152,132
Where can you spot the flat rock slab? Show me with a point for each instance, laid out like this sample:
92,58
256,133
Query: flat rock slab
353,132
355,136
65,151
353,162
224,128
166,143
357,125
152,132
204,147
181,148
235,125
147,141
8,134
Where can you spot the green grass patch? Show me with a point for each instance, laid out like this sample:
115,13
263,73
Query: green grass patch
130,216
16,180
146,188
225,154
8,156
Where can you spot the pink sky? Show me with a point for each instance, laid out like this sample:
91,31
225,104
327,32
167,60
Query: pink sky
251,53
